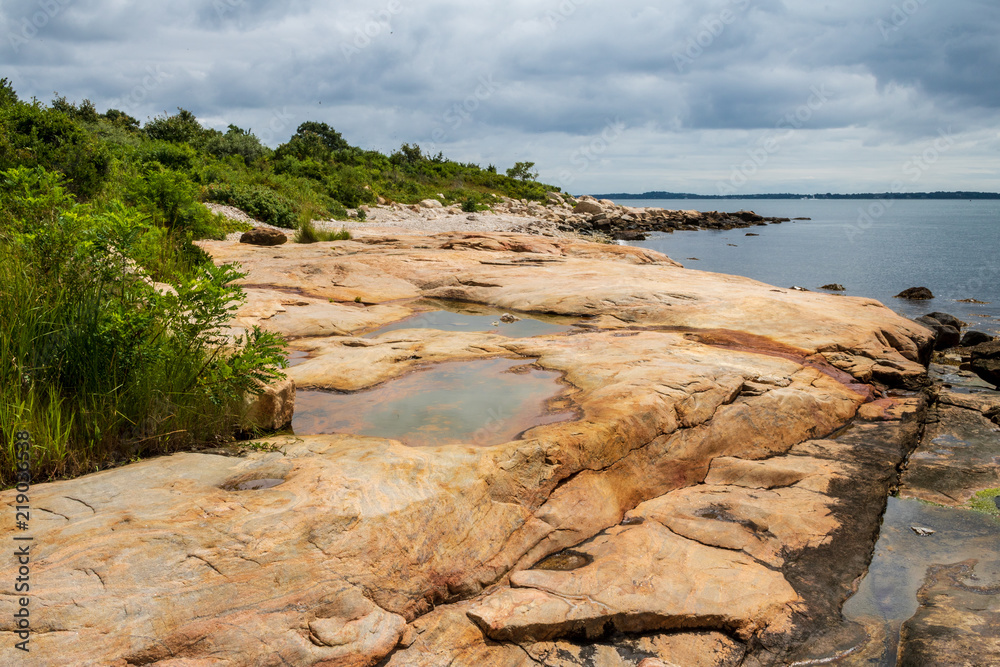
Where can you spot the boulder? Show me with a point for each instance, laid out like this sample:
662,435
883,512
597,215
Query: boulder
586,206
945,335
272,409
915,293
973,338
986,361
431,203
945,318
833,287
265,236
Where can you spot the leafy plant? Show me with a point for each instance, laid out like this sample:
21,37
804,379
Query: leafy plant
523,171
257,201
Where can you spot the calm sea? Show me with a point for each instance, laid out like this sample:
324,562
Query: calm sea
873,248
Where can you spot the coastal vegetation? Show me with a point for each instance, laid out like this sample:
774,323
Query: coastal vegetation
112,320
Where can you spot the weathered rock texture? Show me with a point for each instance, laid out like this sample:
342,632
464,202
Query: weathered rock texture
957,456
717,521
958,622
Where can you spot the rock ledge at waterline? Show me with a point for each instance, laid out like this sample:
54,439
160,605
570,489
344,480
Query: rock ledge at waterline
716,522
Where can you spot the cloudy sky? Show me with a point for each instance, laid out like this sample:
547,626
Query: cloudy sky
705,96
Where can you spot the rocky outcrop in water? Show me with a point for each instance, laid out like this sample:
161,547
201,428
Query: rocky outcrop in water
710,518
588,215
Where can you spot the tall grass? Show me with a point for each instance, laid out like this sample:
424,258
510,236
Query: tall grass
307,233
94,362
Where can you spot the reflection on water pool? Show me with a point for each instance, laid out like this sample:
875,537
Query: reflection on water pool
484,402
460,316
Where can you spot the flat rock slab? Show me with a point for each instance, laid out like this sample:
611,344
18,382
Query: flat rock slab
643,578
680,375
959,453
958,622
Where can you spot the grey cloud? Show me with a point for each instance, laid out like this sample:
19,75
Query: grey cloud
388,71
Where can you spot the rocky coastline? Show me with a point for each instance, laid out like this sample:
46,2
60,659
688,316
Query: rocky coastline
713,502
590,216
562,215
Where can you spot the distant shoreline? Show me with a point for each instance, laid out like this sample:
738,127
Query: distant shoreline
865,195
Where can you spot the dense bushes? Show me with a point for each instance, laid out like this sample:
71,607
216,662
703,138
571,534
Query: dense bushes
260,202
32,135
99,365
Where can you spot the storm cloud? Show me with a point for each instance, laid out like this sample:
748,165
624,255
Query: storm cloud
698,96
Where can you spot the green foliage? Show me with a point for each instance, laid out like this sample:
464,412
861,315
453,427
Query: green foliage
31,135
86,112
101,366
307,233
29,194
259,202
470,205
7,95
182,127
522,171
121,119
174,156
237,142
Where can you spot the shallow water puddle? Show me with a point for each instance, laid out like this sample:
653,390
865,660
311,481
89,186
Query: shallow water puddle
484,402
887,596
460,316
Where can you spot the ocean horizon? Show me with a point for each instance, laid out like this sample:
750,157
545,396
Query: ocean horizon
875,248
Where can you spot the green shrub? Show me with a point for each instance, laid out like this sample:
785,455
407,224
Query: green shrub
182,127
237,142
470,205
101,367
257,201
31,135
172,156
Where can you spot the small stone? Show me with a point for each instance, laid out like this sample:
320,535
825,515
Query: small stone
833,287
915,293
921,531
508,318
798,289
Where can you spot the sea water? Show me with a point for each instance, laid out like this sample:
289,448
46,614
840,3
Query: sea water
874,248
